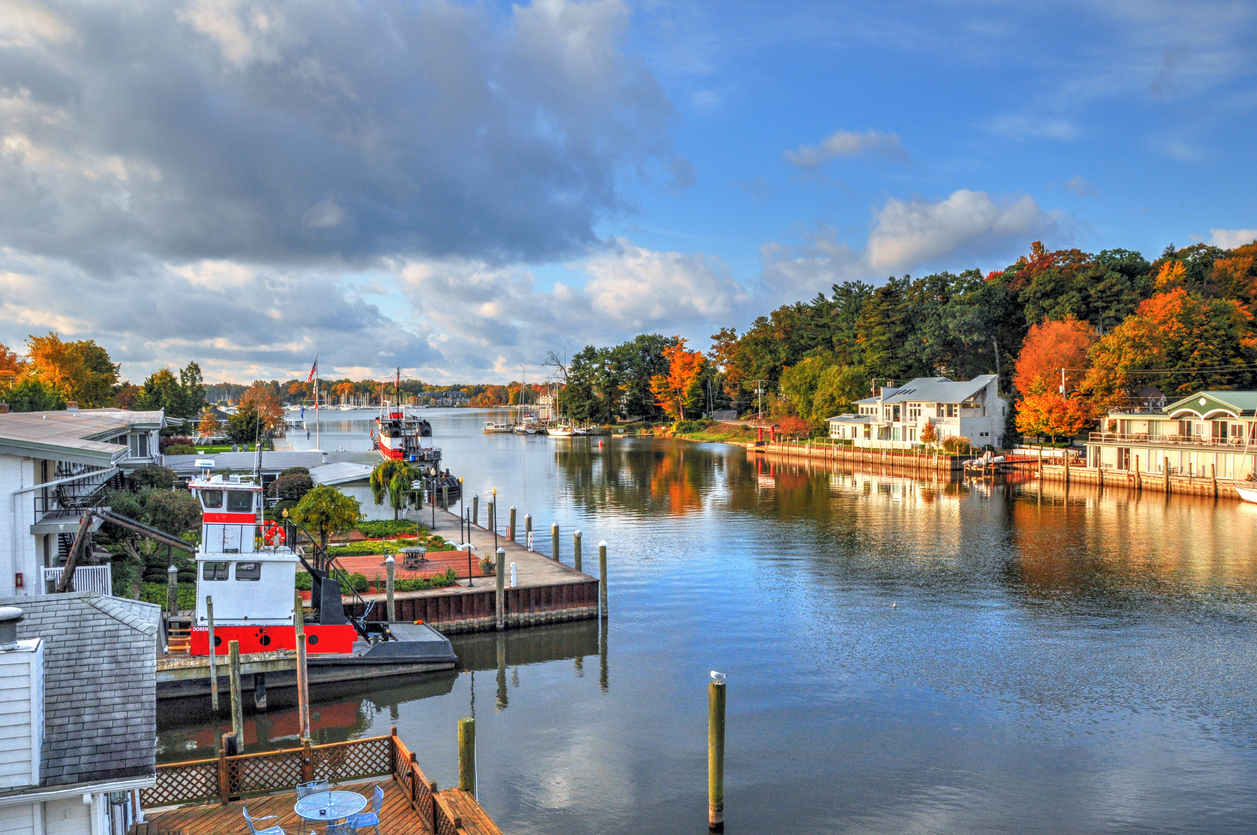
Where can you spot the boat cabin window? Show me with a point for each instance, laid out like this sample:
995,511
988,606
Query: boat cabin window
239,501
215,571
212,498
248,571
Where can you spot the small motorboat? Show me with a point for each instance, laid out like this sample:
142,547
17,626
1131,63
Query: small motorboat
492,428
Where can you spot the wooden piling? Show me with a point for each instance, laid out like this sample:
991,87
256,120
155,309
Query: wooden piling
500,599
259,691
602,578
467,756
510,529
1213,473
237,708
554,541
528,531
445,497
716,756
209,614
1167,475
172,590
475,510
576,549
303,677
390,565
1040,462
1138,481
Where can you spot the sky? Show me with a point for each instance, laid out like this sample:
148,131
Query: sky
458,188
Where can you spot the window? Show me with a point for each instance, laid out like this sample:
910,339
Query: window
1185,428
215,571
951,410
1219,430
914,412
139,445
895,413
248,571
212,498
239,501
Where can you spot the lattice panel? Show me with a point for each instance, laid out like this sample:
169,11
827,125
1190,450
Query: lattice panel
265,773
182,783
444,825
352,760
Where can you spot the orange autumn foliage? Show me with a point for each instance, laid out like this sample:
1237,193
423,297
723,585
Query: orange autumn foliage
1049,347
1051,414
673,390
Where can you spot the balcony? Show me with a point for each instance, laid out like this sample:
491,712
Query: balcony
58,509
1143,438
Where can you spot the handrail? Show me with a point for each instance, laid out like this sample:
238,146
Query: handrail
1166,440
334,571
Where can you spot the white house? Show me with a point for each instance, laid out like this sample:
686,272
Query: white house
51,464
78,713
896,416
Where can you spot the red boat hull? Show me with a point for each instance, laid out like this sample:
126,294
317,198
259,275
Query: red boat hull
320,638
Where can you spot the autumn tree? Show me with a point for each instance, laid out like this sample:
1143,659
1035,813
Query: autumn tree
11,366
929,435
208,425
1049,347
680,386
79,371
1049,413
262,397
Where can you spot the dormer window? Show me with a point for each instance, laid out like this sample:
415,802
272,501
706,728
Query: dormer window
139,445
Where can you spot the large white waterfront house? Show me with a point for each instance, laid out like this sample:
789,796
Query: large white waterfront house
1206,434
52,465
896,416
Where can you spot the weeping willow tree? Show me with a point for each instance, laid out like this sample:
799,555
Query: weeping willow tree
391,481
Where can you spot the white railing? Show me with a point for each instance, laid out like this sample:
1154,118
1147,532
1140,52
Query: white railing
95,578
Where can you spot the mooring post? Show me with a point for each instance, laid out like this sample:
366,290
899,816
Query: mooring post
501,648
576,549
237,709
1138,480
510,528
467,756
1167,475
475,510
1040,462
259,691
500,599
528,530
602,577
303,679
1213,473
390,565
209,614
172,590
554,541
445,497
716,756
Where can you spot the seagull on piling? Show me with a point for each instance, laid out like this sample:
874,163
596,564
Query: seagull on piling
718,676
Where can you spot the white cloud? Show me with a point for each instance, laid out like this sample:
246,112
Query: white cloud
1022,126
1232,238
1082,187
844,143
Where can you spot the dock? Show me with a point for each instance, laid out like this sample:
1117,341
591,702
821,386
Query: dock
901,460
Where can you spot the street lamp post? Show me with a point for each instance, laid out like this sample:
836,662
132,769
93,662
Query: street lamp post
466,538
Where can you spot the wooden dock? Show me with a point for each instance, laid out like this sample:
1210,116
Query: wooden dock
218,791
904,461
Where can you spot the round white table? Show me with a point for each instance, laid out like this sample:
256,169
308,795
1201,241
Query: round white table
330,806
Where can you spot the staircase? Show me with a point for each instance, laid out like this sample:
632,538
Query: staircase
178,636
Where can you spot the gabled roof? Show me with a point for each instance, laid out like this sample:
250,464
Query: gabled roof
100,685
1238,403
340,472
939,390
75,436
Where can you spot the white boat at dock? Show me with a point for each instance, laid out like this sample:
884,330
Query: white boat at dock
492,428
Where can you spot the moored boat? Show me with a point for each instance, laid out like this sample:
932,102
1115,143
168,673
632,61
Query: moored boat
1248,494
492,428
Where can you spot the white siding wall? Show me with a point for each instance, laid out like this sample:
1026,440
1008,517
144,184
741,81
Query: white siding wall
17,820
70,816
17,545
21,714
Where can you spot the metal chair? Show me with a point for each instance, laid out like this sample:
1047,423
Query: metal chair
372,818
349,827
270,830
314,787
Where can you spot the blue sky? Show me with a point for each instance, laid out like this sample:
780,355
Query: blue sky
458,188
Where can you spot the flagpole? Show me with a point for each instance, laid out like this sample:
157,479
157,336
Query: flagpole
317,443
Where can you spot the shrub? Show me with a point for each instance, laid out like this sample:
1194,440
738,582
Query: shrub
449,578
387,529
164,444
295,471
957,445
180,449
156,593
794,427
292,487
152,476
688,426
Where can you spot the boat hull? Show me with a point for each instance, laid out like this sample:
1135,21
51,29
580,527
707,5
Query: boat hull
1247,494
320,638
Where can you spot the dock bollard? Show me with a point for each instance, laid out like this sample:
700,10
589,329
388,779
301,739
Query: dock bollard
209,614
576,549
475,510
391,565
445,497
554,541
602,577
510,528
237,709
467,756
172,590
500,600
528,529
716,755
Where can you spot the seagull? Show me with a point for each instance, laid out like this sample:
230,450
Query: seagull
718,676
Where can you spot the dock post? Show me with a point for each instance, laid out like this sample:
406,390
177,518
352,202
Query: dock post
1213,472
716,756
391,565
1139,482
303,678
445,497
528,530
237,709
602,578
475,510
1067,466
1167,475
501,648
576,549
209,613
554,541
259,691
467,756
172,590
510,528
1040,462
501,594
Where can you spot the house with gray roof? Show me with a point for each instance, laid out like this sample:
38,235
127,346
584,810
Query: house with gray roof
52,465
896,416
1204,434
78,715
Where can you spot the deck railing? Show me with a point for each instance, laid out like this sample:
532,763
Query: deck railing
97,578
1232,442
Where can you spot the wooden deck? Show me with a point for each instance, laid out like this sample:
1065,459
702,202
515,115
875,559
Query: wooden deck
397,817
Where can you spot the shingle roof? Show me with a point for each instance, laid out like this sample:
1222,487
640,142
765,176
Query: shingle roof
939,390
100,685
72,434
272,460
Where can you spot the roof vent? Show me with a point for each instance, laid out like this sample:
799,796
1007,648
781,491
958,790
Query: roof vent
10,617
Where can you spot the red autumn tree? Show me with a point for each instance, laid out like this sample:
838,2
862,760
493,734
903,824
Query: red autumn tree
929,435
1049,347
1051,414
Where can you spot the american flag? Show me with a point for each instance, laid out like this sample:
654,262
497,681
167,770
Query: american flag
314,369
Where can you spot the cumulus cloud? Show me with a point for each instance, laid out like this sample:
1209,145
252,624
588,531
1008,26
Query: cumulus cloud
844,143
1232,238
309,133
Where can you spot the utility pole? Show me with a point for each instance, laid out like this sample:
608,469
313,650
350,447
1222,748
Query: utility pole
759,389
1062,382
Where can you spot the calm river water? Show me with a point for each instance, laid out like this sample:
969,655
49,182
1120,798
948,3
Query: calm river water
903,656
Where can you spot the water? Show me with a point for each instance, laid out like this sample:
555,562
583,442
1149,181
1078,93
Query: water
903,656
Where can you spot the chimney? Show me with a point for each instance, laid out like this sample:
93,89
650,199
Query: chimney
72,406
4,408
22,671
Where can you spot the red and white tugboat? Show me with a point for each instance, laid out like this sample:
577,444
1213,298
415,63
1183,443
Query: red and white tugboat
249,568
399,436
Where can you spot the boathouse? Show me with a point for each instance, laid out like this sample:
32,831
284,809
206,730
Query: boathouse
896,416
78,713
1208,434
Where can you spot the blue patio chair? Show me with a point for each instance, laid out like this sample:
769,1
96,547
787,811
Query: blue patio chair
307,789
346,828
270,830
372,818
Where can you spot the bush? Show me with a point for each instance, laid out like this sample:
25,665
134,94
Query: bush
152,476
449,578
164,444
180,449
957,445
794,427
156,593
292,487
688,426
295,471
387,529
